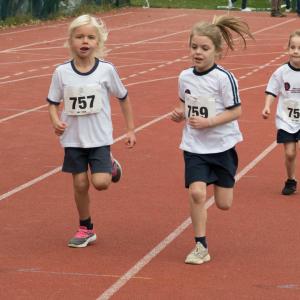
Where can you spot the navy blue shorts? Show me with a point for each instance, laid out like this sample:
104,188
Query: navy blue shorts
284,137
215,168
77,160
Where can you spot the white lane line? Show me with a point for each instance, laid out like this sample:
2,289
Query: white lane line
22,113
151,39
130,84
58,169
29,183
25,78
31,60
274,26
35,270
113,29
111,51
56,26
114,288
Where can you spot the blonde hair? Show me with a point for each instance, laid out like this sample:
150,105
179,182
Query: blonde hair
220,29
293,34
101,31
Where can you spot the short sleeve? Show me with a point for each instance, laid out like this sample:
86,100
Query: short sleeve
181,89
55,94
116,86
230,90
273,86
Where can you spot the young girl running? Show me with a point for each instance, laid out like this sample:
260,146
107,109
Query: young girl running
285,83
210,105
84,85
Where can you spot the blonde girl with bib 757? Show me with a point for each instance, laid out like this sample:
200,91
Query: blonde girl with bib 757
84,85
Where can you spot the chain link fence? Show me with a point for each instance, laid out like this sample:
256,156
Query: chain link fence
43,9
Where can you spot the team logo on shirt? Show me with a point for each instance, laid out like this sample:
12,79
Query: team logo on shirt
287,86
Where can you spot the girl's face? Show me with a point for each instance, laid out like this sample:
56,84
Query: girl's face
203,52
294,51
84,41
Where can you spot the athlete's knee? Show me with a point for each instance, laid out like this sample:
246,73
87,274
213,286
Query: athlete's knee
101,185
101,181
81,186
290,156
224,205
198,195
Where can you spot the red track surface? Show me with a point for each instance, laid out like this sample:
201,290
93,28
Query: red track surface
255,246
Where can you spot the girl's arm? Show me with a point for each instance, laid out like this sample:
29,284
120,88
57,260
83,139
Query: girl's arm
177,115
128,116
225,117
59,127
267,109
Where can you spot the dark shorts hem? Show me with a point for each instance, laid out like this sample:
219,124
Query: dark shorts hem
79,160
284,137
215,168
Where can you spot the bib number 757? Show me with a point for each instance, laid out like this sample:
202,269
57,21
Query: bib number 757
80,101
199,106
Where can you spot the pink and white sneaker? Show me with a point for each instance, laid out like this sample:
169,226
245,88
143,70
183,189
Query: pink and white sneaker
82,238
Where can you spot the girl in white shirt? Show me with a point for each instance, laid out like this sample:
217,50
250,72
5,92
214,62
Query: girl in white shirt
85,85
284,83
210,107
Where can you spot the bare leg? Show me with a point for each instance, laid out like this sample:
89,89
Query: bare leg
81,188
197,197
101,181
290,150
223,197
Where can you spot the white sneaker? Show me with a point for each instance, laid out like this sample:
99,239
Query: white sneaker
198,256
288,10
247,9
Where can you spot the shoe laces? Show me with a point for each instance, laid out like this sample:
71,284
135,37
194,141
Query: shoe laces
82,232
199,249
291,183
114,169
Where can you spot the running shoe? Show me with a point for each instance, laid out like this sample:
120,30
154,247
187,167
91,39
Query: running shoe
82,238
246,9
277,14
290,187
116,172
198,256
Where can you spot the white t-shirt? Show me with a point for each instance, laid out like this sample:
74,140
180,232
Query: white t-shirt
88,113
218,87
285,83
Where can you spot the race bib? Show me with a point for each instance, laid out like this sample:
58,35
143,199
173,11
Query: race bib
199,106
82,100
291,110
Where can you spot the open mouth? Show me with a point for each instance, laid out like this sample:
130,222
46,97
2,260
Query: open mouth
84,48
198,60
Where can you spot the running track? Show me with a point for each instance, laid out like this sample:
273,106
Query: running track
142,223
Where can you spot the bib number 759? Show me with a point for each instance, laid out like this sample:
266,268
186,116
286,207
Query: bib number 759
203,106
201,111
